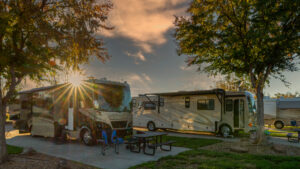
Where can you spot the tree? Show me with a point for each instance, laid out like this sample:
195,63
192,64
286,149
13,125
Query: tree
38,37
287,95
231,83
252,39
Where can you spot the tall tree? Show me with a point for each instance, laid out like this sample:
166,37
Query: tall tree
255,39
38,37
287,95
231,83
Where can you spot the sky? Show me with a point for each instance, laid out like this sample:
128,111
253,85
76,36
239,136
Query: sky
143,51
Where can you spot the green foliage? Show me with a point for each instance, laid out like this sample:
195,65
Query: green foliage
287,95
14,149
252,39
39,37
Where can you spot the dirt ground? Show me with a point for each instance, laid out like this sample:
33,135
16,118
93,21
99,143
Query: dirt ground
267,149
40,161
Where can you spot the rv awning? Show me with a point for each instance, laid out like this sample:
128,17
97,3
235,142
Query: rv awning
39,89
184,93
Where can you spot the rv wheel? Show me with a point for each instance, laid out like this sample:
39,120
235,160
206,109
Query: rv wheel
225,130
86,137
279,125
151,126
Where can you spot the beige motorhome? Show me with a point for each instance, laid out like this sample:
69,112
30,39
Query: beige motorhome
207,110
281,112
80,112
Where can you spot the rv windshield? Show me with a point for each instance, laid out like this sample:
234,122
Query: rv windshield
251,102
112,97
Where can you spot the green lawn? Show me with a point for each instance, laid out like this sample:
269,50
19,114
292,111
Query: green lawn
282,133
192,143
197,158
14,149
219,160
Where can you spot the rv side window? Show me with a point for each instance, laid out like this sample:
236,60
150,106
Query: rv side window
187,102
229,105
149,106
206,104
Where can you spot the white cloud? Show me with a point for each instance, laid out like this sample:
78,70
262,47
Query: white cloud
146,77
143,21
187,68
139,84
137,56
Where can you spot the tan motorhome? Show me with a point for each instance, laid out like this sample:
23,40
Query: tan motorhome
206,110
80,112
281,112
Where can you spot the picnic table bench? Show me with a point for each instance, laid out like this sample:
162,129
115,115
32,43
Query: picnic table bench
150,140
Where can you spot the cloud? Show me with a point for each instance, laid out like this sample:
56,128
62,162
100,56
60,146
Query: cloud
144,21
146,77
139,84
186,68
137,56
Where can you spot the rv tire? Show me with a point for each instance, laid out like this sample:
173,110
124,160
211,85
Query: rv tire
151,126
279,124
225,130
86,137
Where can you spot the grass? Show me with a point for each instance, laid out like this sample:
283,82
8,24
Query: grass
202,159
14,149
215,160
277,133
192,143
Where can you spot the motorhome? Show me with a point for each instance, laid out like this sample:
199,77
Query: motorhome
282,112
205,110
79,111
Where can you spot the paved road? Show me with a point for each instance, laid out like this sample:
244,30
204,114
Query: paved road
90,155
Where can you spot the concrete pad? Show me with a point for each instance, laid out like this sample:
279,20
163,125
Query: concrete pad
90,155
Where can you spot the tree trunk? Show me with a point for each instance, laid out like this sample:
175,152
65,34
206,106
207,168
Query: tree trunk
3,150
260,137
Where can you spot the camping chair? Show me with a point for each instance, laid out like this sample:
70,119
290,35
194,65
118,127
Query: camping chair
116,141
104,142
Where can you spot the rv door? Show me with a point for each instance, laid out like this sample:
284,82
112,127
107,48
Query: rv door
71,116
238,113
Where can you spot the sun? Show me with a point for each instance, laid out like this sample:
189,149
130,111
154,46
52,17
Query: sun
76,79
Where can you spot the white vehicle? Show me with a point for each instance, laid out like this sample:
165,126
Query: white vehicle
80,112
281,112
207,110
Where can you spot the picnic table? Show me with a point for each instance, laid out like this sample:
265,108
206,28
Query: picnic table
150,140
